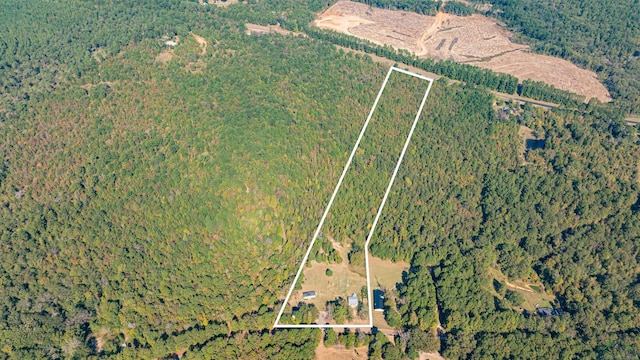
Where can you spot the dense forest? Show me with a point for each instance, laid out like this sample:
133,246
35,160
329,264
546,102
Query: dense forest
349,221
156,201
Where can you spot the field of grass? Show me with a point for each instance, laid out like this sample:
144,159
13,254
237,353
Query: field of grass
385,273
342,283
533,293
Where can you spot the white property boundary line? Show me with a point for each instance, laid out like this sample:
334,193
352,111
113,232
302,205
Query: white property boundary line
375,221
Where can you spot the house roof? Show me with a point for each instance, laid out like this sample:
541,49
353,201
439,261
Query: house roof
308,293
353,300
549,312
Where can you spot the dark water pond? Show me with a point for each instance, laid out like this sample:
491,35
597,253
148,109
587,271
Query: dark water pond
533,144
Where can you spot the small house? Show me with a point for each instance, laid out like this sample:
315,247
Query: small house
378,300
171,43
308,295
353,300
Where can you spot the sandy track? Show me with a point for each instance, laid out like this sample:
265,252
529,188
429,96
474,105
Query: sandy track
202,42
255,29
476,40
439,20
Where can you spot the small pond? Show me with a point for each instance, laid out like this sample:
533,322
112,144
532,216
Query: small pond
533,144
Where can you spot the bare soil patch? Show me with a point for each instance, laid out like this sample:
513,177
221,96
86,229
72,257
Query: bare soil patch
476,40
88,86
255,29
400,29
554,71
431,356
165,56
340,352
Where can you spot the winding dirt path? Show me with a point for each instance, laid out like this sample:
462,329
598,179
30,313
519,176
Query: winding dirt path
430,31
202,42
511,285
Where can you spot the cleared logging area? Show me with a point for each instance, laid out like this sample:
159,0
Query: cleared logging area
475,40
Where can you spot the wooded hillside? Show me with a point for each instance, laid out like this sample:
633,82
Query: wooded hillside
152,205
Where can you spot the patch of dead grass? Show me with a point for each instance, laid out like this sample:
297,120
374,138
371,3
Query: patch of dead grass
340,352
342,283
165,56
223,3
430,356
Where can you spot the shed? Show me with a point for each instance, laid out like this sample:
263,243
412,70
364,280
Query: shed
378,300
549,312
353,300
307,295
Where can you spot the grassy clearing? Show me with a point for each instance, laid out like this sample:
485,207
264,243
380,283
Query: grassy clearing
542,299
430,356
342,283
525,133
533,293
379,322
385,273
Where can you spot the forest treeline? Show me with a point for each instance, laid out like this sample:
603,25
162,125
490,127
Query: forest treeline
424,7
151,209
471,206
72,37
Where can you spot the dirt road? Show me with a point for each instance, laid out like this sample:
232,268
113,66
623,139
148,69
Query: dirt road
202,42
439,20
